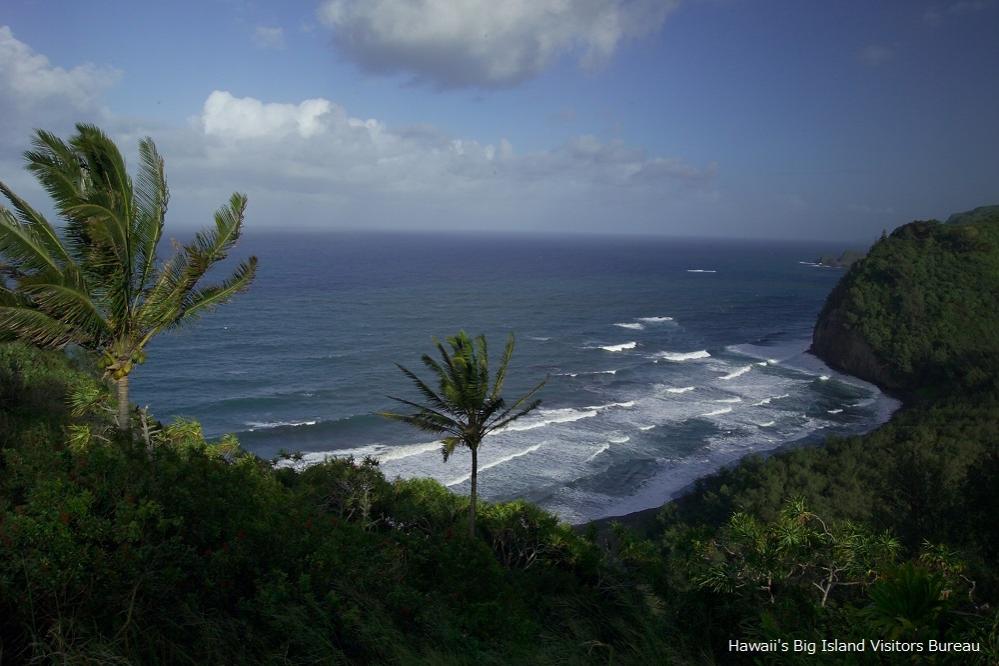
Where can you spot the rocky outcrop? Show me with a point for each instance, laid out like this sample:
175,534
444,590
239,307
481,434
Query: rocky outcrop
844,260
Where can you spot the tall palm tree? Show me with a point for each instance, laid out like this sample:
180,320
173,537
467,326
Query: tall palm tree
464,407
98,283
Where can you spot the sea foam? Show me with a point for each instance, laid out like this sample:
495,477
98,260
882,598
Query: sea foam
630,403
678,357
601,449
500,461
550,417
267,425
620,347
738,373
634,325
718,412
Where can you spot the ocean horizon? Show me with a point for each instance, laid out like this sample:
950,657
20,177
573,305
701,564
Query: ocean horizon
665,358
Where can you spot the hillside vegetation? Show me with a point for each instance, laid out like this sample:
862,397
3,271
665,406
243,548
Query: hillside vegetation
921,312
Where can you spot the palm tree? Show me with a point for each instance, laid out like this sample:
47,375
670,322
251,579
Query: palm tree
464,407
98,284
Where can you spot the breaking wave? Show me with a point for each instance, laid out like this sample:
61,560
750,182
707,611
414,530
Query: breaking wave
737,373
677,357
550,417
620,347
718,412
267,425
500,461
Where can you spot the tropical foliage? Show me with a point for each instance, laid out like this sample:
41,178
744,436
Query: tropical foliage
465,408
206,554
97,282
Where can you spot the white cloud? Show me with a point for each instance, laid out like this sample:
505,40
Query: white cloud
242,118
265,37
458,43
316,159
876,54
33,92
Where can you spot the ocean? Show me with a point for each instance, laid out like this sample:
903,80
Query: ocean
665,358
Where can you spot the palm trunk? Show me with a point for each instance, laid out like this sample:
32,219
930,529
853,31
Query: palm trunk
475,492
124,422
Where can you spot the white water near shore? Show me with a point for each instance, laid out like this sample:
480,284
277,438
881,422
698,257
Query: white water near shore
753,415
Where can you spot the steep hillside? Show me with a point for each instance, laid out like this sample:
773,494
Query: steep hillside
920,314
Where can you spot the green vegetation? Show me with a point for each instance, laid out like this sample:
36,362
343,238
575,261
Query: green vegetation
153,545
98,284
464,408
923,307
197,552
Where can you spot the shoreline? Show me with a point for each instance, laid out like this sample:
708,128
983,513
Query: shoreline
643,521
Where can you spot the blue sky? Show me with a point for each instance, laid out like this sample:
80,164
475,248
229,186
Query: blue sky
773,119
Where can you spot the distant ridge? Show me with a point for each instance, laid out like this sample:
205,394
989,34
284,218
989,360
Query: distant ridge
975,215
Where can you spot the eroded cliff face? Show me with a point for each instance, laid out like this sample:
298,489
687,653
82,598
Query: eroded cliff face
844,348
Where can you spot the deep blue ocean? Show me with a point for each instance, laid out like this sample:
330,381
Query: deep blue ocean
666,358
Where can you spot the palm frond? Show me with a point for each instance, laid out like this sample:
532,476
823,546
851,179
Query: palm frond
504,364
36,222
443,419
68,303
151,198
516,410
215,295
56,166
209,247
417,420
36,327
427,392
448,445
23,247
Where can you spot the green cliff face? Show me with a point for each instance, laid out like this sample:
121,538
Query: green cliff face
920,314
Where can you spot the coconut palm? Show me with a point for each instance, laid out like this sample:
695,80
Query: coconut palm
97,283
465,407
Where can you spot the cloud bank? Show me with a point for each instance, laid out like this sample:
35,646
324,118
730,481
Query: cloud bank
35,93
484,43
315,155
310,163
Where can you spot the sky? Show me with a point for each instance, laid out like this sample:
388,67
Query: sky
714,118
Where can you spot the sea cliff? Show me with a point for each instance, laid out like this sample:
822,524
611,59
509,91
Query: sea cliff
920,313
